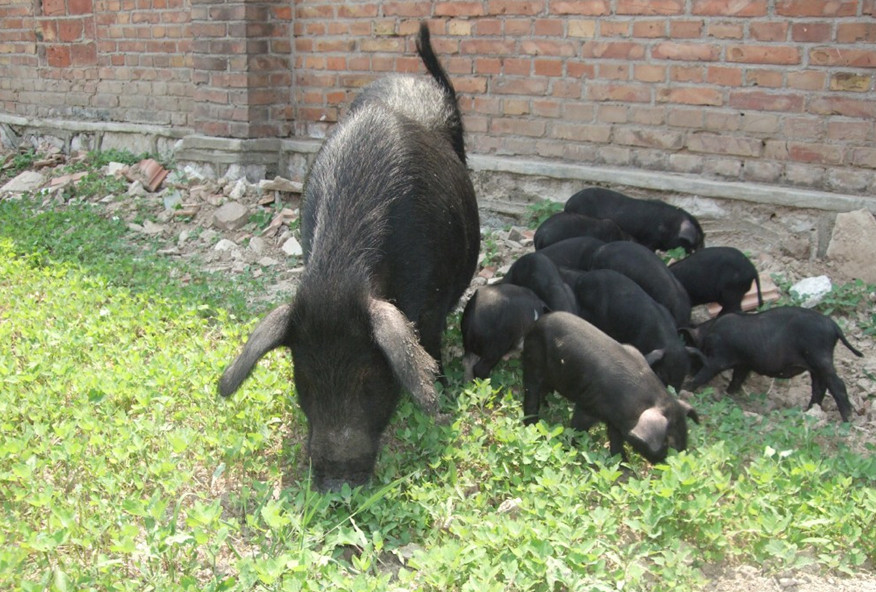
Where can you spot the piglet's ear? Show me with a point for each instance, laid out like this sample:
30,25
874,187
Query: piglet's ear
651,429
689,232
689,411
655,356
412,365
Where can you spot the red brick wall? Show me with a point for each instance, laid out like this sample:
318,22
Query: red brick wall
775,91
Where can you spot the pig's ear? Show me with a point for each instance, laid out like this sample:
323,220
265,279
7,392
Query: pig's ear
651,429
269,334
655,356
696,353
689,411
689,232
412,365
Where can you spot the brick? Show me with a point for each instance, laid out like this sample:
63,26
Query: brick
849,131
807,32
58,56
459,8
582,28
863,157
613,50
685,117
726,30
795,8
807,80
577,111
690,96
687,74
516,66
769,31
611,28
764,101
649,73
724,75
548,27
689,52
518,127
685,29
49,30
70,30
487,47
802,128
763,54
411,8
487,66
764,78
626,93
545,67
740,8
566,89
833,56
599,134
545,47
814,153
650,28
503,7
523,86
759,123
851,82
583,7
855,32
723,144
650,116
546,108
648,138
613,71
650,7
53,8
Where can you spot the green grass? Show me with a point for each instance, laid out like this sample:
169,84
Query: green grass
121,469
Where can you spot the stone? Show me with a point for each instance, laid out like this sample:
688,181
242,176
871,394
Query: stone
116,169
136,189
292,248
281,184
812,290
268,262
24,182
257,245
150,227
231,216
852,245
239,189
171,199
225,245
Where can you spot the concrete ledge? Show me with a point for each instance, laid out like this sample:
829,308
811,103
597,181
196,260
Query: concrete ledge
291,156
671,182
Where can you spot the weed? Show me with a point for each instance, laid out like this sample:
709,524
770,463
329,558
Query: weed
540,211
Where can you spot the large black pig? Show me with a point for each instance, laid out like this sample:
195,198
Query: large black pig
781,342
653,223
608,382
391,235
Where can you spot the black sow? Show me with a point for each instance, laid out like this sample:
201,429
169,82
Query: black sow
390,231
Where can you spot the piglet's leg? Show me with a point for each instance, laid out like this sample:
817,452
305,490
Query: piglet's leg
740,373
705,374
581,421
838,390
535,389
616,442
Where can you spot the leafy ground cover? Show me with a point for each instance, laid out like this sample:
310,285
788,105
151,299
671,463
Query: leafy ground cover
121,469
